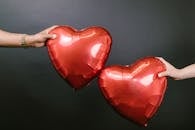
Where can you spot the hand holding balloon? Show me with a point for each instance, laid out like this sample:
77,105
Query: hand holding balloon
177,74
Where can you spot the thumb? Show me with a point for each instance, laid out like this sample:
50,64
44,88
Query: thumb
162,74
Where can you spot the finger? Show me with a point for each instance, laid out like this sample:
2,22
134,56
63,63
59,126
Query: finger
39,44
162,74
49,29
161,59
158,57
164,61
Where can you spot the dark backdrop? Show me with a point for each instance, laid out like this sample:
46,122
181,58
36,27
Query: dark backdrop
33,96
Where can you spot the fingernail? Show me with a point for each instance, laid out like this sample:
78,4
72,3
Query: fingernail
54,36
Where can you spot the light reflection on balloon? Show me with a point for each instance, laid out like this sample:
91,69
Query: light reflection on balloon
95,49
147,80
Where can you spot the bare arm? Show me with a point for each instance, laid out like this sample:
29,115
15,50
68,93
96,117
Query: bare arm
178,74
188,72
8,39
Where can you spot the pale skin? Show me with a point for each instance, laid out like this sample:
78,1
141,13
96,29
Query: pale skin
177,74
9,39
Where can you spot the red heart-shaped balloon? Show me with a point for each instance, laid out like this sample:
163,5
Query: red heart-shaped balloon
78,55
134,91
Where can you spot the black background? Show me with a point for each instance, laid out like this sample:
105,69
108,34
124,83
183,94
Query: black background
34,96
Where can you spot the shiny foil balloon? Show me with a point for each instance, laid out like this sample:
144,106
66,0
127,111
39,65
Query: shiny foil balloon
134,91
78,55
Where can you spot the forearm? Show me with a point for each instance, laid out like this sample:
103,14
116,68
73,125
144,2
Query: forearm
10,39
187,72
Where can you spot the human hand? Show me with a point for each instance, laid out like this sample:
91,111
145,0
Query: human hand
170,71
39,39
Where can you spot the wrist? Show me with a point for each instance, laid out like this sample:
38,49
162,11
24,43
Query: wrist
25,40
179,74
29,40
